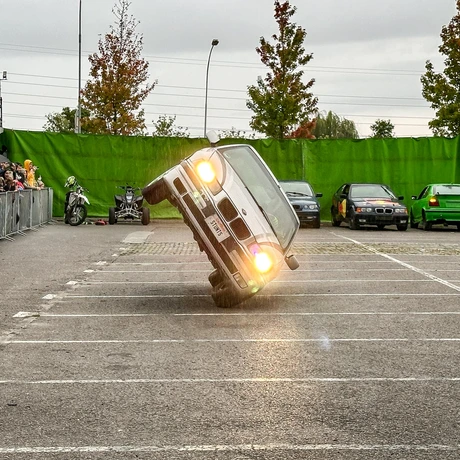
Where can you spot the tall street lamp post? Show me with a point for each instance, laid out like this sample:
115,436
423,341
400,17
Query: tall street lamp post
214,43
78,115
3,77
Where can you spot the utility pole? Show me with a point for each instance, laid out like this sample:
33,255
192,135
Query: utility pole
78,113
4,77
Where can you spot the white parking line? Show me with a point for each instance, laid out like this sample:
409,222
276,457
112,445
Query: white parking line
25,314
234,380
325,340
238,448
404,264
231,448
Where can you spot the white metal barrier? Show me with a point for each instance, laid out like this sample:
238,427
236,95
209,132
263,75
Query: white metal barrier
24,210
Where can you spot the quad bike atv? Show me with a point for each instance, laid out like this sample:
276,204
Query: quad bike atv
129,206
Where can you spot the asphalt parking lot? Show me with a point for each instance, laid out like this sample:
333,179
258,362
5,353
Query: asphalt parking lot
112,348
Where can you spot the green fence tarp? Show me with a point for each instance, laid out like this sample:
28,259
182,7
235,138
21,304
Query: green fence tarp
101,163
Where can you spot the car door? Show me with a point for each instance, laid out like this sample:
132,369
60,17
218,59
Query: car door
417,205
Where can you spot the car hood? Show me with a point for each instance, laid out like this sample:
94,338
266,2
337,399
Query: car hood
377,202
302,200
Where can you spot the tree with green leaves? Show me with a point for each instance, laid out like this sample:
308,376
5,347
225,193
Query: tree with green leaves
331,126
63,122
382,129
118,84
282,101
442,89
165,127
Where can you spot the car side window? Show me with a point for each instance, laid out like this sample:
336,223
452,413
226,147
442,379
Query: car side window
423,193
346,189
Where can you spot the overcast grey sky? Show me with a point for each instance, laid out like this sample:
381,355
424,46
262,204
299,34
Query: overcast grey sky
368,56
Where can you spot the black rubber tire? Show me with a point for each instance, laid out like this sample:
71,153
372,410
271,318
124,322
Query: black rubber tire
353,224
112,218
317,223
380,226
426,225
215,278
145,219
156,192
224,295
412,223
402,227
334,221
76,215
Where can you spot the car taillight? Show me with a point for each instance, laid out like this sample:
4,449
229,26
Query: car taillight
433,201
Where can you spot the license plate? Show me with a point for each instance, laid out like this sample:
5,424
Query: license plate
217,227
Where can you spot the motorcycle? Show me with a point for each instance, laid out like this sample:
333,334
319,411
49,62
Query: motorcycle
75,211
129,206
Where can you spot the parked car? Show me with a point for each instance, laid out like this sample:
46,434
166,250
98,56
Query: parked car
436,204
304,201
368,204
238,215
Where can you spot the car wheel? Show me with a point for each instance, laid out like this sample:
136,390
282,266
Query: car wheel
380,226
215,278
425,224
458,227
402,227
112,218
335,222
224,296
353,224
145,219
316,223
413,224
156,192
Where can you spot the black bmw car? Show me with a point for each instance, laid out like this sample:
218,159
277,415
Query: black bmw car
368,204
304,201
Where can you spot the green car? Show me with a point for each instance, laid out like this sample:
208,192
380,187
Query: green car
436,204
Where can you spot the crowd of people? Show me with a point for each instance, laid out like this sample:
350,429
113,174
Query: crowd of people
15,176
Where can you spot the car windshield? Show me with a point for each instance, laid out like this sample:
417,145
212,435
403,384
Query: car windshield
297,188
260,183
452,189
371,191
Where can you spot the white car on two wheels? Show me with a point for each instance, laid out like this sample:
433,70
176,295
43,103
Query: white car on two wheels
239,216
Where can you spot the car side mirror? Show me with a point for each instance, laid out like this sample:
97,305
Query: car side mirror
213,137
319,195
292,262
401,197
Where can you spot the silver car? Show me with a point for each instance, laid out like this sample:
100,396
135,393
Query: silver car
238,214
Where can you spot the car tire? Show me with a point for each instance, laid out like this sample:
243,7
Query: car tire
425,224
156,192
458,227
353,224
334,221
380,226
401,227
413,224
215,278
112,218
224,296
316,223
145,219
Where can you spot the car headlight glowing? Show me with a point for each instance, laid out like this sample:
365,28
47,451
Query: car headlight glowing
262,261
206,171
